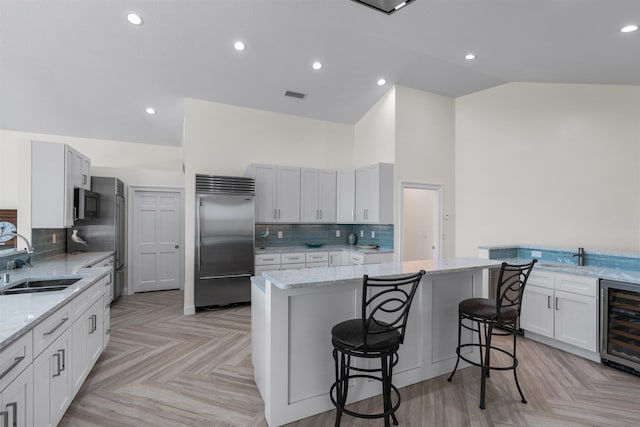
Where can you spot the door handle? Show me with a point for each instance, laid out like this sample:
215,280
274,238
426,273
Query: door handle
64,358
548,301
57,356
557,304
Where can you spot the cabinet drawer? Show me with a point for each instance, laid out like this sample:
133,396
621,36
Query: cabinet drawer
317,257
267,259
317,264
581,285
294,266
15,358
293,257
540,278
357,259
46,332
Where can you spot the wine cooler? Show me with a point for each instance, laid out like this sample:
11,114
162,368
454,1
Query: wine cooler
620,325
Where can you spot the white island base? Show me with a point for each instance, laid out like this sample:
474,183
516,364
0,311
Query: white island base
293,315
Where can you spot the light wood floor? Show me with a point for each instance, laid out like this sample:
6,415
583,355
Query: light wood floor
165,369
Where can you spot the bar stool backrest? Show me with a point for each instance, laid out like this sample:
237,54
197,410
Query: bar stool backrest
387,301
511,283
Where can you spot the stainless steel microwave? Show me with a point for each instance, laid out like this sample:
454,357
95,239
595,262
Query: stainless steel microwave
86,204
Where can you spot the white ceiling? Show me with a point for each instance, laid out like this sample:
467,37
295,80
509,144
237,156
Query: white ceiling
78,68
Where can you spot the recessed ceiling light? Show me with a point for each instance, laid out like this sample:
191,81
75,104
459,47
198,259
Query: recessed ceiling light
317,65
381,82
151,111
629,29
470,56
134,18
239,46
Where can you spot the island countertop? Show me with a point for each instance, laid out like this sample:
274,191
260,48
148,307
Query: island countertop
325,276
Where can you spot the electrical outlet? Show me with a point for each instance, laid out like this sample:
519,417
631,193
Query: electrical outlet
373,234
337,233
361,233
536,254
53,238
279,234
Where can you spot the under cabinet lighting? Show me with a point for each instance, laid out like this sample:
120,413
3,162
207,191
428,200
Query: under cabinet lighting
134,18
629,29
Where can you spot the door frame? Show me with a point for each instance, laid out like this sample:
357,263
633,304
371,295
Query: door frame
437,214
133,190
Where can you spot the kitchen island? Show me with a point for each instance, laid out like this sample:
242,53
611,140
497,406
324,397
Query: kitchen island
293,312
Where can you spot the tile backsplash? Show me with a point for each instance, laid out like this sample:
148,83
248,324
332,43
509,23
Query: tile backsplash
43,246
300,234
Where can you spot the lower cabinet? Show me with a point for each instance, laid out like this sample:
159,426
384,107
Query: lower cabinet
562,307
52,386
16,401
87,343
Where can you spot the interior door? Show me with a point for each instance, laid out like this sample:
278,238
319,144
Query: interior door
156,237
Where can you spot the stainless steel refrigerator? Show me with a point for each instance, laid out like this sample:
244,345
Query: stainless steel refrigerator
107,232
224,261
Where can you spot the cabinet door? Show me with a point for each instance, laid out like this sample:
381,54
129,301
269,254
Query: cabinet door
95,340
309,195
52,383
335,258
576,320
537,310
363,176
80,368
327,196
346,197
288,195
265,176
69,214
85,173
16,400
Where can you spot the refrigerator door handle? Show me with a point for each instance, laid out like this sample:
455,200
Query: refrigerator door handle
229,276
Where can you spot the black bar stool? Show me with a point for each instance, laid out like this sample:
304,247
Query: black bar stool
502,312
377,334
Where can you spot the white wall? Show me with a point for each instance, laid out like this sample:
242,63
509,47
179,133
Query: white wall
135,164
223,139
374,137
548,164
424,150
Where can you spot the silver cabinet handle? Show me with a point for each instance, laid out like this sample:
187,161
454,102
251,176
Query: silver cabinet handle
56,327
64,358
5,418
15,363
278,213
14,405
275,214
557,304
57,356
548,301
268,259
108,331
320,213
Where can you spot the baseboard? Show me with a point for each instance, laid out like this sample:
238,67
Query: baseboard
595,357
189,310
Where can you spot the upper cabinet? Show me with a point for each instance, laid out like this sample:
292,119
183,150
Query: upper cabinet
317,195
374,194
56,169
277,193
346,197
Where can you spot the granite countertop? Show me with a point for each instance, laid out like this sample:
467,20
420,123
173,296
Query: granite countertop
325,276
22,312
627,276
327,248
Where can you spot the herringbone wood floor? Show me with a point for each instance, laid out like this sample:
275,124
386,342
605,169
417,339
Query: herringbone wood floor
165,369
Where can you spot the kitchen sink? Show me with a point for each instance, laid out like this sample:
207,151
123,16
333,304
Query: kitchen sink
30,286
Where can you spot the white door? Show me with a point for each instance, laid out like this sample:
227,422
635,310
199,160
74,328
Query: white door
421,227
156,240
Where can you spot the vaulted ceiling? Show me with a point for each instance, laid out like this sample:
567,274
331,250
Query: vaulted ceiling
79,68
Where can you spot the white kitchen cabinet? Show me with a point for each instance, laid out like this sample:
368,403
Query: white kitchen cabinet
277,193
335,258
52,385
374,194
16,400
88,340
360,258
56,169
292,261
81,171
346,196
317,196
266,262
16,382
562,307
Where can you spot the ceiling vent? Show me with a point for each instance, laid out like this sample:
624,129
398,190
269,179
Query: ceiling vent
293,94
385,6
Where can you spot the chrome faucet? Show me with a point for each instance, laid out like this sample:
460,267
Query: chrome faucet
14,234
580,256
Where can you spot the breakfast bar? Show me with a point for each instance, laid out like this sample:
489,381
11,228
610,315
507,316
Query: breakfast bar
293,312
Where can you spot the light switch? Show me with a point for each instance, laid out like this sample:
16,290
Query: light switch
361,233
337,233
373,234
